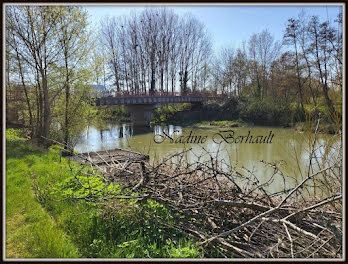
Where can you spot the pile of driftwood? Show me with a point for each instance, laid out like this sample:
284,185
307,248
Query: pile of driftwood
234,213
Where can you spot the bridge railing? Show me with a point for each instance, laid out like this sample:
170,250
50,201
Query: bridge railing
155,94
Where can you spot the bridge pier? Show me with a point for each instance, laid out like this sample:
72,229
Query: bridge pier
141,113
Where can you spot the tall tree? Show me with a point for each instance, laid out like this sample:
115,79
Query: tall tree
35,29
74,42
291,38
320,34
263,50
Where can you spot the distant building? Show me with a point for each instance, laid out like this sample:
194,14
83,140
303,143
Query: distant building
14,104
100,90
99,87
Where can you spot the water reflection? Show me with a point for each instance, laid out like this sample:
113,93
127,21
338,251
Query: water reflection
288,148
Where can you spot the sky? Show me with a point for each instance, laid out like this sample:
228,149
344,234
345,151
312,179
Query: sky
226,24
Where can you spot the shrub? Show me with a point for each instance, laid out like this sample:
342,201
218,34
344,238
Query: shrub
265,112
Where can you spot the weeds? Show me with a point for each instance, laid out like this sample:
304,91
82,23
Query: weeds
42,223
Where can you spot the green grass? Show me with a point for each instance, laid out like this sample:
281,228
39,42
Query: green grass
43,222
223,123
211,124
30,231
185,122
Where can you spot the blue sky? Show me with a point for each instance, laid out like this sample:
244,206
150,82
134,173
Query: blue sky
230,25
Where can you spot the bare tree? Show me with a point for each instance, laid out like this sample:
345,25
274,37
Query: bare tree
108,32
150,49
291,37
321,51
262,51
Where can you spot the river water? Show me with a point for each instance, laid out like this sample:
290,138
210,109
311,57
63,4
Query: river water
286,147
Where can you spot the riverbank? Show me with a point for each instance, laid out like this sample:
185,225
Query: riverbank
245,111
212,124
300,127
31,232
42,223
154,213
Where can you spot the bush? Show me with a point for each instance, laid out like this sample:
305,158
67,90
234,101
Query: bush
228,110
265,112
167,112
114,112
15,134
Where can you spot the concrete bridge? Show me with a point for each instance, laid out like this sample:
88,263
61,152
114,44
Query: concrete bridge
140,106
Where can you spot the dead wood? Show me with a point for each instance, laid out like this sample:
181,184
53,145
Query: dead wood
233,212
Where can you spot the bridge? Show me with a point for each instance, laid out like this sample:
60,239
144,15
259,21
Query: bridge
140,106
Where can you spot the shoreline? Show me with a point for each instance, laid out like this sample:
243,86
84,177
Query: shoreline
188,187
299,127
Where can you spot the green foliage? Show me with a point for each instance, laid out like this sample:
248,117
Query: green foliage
134,232
14,134
115,112
185,249
221,110
94,186
80,111
248,109
265,112
39,188
226,123
166,112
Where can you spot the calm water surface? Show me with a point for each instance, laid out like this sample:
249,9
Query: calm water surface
288,148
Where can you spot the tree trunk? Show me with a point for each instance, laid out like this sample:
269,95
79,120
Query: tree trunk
152,88
47,109
67,102
26,94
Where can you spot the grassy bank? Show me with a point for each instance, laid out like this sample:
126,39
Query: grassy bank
42,221
222,123
210,124
30,230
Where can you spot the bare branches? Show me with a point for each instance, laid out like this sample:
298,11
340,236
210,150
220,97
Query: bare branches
155,50
229,211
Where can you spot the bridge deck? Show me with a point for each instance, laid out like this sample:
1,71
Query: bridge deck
121,100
